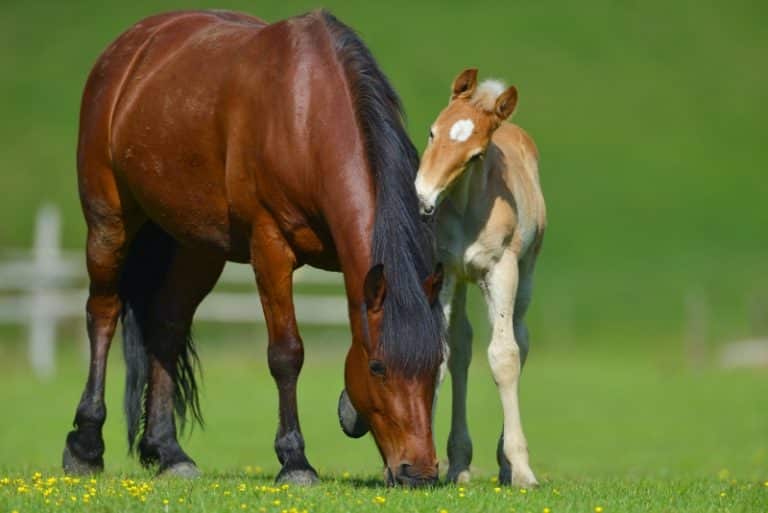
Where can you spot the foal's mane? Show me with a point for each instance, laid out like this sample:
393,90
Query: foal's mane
412,330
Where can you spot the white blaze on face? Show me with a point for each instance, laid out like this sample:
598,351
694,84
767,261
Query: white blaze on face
461,130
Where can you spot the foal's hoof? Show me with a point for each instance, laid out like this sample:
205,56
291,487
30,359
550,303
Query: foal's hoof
74,466
522,478
299,477
183,470
458,476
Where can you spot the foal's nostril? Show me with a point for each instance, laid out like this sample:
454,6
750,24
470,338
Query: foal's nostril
427,211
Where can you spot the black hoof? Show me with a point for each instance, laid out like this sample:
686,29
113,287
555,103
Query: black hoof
75,466
183,470
299,477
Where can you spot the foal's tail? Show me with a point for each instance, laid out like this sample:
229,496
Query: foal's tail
146,266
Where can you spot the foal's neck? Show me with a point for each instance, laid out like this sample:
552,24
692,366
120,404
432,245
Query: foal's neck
472,179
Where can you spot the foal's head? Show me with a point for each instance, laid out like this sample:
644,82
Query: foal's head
461,134
384,396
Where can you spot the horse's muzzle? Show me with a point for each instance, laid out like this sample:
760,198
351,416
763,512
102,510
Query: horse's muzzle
407,475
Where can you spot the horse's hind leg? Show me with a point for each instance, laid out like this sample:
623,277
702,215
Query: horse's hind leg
500,286
109,234
460,355
274,261
191,276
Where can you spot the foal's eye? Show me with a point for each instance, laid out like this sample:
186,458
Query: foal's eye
377,367
431,135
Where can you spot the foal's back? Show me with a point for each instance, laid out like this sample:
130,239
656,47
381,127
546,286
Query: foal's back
517,207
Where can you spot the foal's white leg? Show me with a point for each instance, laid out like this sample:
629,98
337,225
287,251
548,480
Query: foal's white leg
504,355
460,342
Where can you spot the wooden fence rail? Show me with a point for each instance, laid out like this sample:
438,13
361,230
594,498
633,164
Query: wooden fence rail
45,285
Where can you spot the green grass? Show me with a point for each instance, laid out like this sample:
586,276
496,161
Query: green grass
625,433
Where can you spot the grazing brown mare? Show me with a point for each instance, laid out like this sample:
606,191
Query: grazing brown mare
213,136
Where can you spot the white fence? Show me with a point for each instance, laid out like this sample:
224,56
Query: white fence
46,285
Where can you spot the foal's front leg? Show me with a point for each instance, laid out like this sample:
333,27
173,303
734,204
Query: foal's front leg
504,355
273,261
460,342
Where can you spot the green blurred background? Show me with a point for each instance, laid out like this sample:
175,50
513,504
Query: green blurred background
650,119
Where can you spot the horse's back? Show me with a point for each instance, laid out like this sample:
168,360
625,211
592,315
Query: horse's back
188,108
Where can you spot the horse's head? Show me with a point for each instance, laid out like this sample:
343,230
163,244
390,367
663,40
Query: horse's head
387,396
461,134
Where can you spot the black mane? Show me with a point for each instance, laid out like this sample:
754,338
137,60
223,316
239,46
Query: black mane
412,330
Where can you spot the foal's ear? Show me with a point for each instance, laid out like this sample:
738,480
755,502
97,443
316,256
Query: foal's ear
506,103
375,288
433,283
464,85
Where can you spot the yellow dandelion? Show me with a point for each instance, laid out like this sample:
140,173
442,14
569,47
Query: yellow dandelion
722,494
243,506
345,475
165,501
598,509
227,492
276,502
461,495
241,487
497,490
765,484
284,487
494,479
443,511
524,491
379,499
37,476
546,510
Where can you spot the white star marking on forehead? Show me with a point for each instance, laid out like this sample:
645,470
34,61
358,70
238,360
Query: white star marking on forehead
461,130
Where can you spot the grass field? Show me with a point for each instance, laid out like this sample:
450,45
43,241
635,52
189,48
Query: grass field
622,434
650,118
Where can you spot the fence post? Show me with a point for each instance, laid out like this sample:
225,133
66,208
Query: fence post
42,315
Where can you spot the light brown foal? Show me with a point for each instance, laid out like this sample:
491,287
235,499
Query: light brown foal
479,177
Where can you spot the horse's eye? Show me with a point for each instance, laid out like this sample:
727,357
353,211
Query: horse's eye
377,367
431,135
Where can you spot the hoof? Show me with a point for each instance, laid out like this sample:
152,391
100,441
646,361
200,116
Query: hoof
299,477
459,476
74,466
522,478
183,470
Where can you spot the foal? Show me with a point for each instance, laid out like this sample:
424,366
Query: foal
479,178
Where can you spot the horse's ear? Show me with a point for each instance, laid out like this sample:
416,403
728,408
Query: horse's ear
506,103
464,85
375,288
433,283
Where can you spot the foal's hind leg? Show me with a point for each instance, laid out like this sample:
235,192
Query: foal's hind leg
191,276
108,238
460,343
274,261
505,356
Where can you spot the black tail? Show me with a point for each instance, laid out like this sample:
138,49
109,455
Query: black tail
147,263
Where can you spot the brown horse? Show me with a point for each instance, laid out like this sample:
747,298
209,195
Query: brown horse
213,136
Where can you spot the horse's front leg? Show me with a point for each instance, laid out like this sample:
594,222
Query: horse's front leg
274,262
504,355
